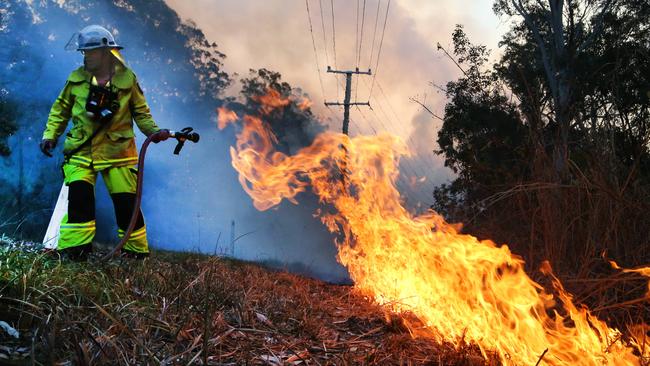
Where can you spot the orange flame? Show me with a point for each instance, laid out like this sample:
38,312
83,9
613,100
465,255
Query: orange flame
643,271
271,100
225,117
462,289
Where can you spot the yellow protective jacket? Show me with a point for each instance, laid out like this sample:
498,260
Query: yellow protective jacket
114,145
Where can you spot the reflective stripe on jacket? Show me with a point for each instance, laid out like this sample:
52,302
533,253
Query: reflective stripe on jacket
114,145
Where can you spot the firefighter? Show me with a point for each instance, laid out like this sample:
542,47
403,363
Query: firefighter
102,98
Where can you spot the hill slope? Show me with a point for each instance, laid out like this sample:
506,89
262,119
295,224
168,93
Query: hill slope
190,309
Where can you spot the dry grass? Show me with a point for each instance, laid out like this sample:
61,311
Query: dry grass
189,309
599,214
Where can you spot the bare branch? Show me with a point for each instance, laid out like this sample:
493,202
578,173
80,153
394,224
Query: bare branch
548,68
598,28
439,87
425,107
557,24
451,58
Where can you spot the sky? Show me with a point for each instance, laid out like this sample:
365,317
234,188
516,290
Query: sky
275,34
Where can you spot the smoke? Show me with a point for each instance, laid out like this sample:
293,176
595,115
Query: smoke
275,34
192,200
420,171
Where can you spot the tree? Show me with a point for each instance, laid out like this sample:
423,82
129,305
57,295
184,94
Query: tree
569,38
206,59
482,137
559,125
292,121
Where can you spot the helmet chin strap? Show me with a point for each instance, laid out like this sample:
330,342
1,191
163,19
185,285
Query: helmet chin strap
116,53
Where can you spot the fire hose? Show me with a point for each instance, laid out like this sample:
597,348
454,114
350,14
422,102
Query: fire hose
181,136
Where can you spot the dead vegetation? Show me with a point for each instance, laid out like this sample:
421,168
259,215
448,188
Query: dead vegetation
182,309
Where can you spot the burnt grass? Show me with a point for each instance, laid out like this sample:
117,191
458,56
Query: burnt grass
180,309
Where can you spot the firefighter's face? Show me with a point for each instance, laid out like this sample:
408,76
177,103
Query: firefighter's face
97,58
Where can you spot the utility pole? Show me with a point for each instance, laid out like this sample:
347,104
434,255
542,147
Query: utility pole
346,102
346,113
232,238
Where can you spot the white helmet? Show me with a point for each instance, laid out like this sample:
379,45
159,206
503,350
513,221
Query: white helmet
91,37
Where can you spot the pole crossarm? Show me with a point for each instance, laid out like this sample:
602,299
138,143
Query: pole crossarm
346,101
356,71
343,104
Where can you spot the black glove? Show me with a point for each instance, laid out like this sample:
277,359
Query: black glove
161,135
47,146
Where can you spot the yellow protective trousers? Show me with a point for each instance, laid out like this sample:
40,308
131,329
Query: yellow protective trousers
78,226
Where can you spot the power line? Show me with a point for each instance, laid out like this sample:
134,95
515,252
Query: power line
408,168
378,56
356,126
334,46
429,158
346,102
381,43
401,178
322,23
336,117
405,169
405,165
367,121
374,34
363,20
415,172
381,109
381,90
313,42
356,34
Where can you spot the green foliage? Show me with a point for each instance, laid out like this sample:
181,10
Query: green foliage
551,143
497,117
482,137
587,79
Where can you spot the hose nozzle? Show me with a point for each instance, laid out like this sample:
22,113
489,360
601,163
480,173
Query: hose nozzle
182,136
